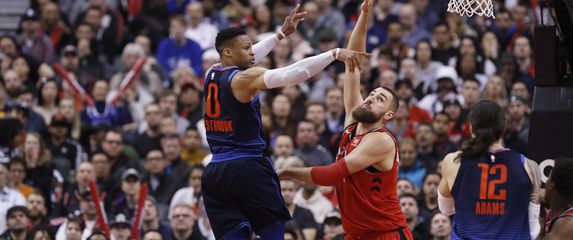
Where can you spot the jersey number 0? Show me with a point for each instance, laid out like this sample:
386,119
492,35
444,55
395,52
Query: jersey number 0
213,108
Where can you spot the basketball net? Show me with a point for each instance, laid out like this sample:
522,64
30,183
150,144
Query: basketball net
471,7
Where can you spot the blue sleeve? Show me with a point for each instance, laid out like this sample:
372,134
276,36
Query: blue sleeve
162,56
197,59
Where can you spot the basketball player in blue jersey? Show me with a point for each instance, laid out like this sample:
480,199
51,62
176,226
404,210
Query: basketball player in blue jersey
240,188
492,190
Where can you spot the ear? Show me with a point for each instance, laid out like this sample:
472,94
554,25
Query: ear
227,51
388,116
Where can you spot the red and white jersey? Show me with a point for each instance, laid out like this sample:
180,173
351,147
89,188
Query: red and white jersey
368,200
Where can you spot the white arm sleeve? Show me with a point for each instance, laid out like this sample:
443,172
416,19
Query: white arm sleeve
297,72
264,47
534,225
447,205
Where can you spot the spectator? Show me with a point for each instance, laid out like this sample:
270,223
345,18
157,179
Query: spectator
152,235
427,16
412,32
311,26
61,146
168,108
179,169
383,16
495,90
74,229
120,228
491,51
426,69
425,140
441,125
410,167
37,211
395,48
308,148
13,83
42,232
334,110
103,112
17,168
54,26
281,114
107,35
14,198
408,73
284,147
301,216
198,29
401,125
504,27
518,117
151,218
112,146
102,170
332,226
428,199
162,185
470,94
316,113
192,151
190,103
150,138
17,222
331,17
310,198
83,68
71,200
10,138
440,226
522,52
183,224
88,214
177,50
406,186
48,99
433,103
520,89
33,40
126,201
411,210
41,172
442,48
70,112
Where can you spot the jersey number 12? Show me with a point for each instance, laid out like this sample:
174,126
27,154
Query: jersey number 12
487,187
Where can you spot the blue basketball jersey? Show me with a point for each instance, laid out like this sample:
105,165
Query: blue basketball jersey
492,197
234,129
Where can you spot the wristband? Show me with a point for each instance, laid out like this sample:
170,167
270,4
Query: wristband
336,53
280,32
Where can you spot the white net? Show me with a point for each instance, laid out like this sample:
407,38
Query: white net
471,7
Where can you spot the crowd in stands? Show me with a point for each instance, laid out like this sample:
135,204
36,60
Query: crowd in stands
62,130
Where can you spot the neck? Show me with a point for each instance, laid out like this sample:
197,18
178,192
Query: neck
559,205
18,235
367,127
321,128
90,217
131,199
182,234
496,145
291,208
281,121
431,203
15,185
152,131
194,24
151,224
443,46
412,223
424,64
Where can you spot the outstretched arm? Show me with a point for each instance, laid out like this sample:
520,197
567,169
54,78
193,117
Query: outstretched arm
357,42
265,46
247,83
373,150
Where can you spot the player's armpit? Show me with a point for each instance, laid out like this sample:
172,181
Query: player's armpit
246,84
562,229
376,149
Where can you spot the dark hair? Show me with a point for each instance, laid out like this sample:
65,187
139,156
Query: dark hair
425,40
225,36
561,177
17,160
471,79
43,228
78,221
428,174
408,195
395,101
152,231
488,121
443,114
44,82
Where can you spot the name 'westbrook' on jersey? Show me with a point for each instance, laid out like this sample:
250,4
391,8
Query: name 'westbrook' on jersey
234,129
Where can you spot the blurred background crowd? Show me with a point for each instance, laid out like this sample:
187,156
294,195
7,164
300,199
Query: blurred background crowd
56,136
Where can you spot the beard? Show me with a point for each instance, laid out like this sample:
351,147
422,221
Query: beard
363,115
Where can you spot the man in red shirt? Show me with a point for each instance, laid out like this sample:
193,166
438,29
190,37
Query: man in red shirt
365,173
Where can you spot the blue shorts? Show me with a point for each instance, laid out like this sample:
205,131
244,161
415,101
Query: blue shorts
242,194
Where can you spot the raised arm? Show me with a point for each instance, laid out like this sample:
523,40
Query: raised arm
265,46
246,84
450,169
357,42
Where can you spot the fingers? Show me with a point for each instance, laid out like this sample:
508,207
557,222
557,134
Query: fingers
293,13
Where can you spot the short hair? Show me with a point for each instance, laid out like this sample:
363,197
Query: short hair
166,93
170,137
133,48
177,18
225,36
408,195
561,177
395,101
314,103
472,79
442,113
17,160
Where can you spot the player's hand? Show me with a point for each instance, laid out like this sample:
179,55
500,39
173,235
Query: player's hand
352,58
292,20
283,174
367,5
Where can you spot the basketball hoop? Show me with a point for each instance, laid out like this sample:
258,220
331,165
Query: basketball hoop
471,7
